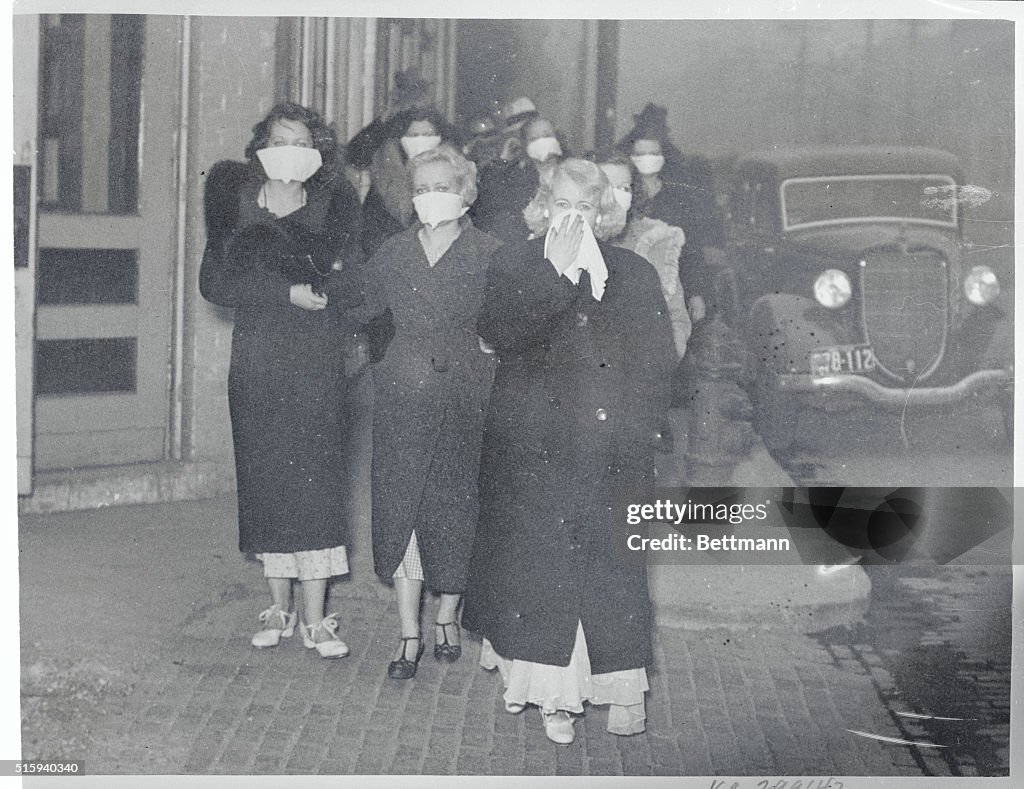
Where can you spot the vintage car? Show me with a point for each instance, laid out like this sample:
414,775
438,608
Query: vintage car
844,273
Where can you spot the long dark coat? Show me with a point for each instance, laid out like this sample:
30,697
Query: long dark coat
687,200
286,385
430,391
579,394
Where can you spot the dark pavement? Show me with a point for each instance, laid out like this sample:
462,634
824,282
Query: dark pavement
136,659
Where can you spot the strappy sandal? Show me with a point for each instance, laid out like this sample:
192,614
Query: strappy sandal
403,668
447,650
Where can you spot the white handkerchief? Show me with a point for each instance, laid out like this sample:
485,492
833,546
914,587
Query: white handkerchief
588,259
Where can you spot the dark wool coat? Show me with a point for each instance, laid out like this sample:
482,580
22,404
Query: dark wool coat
580,391
287,381
506,188
430,391
687,200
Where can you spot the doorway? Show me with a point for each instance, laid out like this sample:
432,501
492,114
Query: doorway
107,121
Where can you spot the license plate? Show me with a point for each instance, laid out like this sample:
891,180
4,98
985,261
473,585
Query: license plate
842,359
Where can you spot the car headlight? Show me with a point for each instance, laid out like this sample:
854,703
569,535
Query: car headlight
981,286
832,288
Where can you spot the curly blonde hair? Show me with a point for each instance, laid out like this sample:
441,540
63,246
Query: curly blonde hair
589,177
464,169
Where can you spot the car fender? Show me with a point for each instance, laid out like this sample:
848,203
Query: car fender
782,331
999,335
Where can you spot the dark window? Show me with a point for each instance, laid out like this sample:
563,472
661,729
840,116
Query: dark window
89,149
85,366
88,276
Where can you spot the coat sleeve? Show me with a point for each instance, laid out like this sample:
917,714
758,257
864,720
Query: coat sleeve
232,273
370,295
364,145
360,149
525,298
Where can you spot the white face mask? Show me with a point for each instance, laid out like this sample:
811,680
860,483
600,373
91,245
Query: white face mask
623,197
543,148
414,146
648,163
289,162
433,208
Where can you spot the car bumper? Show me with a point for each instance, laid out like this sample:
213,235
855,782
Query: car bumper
980,381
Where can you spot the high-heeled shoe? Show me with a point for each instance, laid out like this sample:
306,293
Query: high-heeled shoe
403,668
447,650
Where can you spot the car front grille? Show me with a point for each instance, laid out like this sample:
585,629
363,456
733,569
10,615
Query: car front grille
905,312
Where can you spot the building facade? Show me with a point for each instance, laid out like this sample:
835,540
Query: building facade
121,365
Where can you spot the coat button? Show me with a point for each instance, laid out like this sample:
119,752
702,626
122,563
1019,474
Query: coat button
601,414
581,319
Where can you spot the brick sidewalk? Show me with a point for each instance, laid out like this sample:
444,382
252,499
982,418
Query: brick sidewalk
159,606
721,703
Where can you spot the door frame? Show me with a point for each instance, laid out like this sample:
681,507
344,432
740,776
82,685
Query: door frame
25,30
143,425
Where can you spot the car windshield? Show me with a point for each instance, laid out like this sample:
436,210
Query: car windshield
864,198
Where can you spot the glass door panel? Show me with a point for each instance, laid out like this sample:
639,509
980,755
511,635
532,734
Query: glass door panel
107,117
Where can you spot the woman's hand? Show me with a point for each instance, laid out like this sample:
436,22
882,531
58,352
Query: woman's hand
304,297
565,242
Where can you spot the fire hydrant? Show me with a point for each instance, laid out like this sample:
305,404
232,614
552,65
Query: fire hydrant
720,432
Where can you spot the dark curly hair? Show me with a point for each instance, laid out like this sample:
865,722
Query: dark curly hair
651,124
324,139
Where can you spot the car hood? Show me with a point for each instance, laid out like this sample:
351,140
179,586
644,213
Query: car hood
854,240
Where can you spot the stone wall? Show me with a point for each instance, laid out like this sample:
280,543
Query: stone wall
232,88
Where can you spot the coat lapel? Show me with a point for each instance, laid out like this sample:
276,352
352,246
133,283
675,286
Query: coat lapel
452,277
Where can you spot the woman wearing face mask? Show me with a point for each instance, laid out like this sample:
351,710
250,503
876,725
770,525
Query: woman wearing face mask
658,243
507,186
384,148
277,230
585,357
430,391
678,190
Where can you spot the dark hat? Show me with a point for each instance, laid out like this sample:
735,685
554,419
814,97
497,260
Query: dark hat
517,112
652,117
410,87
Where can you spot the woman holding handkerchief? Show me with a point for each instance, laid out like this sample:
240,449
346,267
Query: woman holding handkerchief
585,358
